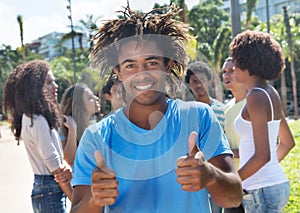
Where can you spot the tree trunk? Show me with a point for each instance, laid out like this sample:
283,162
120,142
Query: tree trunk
293,72
283,94
235,17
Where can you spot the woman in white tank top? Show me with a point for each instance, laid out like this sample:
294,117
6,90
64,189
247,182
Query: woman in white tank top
258,58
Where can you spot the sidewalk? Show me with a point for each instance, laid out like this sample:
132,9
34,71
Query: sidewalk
16,176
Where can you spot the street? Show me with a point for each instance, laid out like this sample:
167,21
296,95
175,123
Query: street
16,176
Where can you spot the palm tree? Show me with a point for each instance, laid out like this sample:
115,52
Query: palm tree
235,17
20,22
90,24
69,35
250,8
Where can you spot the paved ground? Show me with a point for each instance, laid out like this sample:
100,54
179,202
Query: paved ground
16,176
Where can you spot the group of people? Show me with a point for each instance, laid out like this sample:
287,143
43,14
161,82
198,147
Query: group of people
155,153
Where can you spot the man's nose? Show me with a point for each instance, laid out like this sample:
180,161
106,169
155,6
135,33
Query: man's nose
226,75
199,83
142,68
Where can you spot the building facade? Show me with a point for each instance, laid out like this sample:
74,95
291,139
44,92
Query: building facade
274,7
50,45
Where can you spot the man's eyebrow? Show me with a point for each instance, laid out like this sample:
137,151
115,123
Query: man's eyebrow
153,57
127,61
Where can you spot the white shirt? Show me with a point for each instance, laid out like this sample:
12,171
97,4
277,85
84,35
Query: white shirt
43,145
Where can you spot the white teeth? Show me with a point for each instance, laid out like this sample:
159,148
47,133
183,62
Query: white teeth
143,87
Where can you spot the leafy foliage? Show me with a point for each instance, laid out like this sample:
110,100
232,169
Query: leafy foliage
207,21
9,59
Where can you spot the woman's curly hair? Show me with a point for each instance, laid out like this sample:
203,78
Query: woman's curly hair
25,92
138,25
259,53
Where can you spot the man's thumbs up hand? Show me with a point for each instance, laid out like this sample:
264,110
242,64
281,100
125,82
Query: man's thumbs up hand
104,185
193,149
191,171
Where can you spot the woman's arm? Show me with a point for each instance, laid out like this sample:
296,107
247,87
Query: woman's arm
63,177
71,140
257,109
286,139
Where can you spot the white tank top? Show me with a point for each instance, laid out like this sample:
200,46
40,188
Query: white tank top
271,173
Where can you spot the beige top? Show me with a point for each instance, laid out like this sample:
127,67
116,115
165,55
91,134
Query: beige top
231,112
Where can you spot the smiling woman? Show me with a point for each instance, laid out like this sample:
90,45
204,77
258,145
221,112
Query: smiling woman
77,106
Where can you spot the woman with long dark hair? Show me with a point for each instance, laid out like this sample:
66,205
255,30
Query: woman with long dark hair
29,97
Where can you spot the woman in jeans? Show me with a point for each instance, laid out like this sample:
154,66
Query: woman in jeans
265,138
30,98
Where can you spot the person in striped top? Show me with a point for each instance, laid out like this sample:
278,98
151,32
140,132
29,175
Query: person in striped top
199,78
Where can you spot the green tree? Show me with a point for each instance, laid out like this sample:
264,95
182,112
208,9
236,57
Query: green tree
277,29
206,20
9,59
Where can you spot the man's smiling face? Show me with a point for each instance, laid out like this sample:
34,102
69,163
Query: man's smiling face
142,70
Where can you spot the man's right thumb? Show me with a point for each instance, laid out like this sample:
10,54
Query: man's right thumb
193,149
99,159
101,163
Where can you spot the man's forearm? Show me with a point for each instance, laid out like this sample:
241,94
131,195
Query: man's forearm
226,187
87,204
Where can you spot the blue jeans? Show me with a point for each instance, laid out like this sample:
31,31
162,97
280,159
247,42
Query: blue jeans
271,199
47,196
214,207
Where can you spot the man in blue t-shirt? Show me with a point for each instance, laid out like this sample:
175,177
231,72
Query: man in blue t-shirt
155,154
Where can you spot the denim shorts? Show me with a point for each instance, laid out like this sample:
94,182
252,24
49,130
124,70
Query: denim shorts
271,199
47,196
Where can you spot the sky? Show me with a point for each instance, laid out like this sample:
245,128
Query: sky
41,17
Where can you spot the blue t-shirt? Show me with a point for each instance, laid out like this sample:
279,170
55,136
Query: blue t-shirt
145,160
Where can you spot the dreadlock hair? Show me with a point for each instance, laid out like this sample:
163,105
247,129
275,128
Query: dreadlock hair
138,25
259,53
25,92
106,89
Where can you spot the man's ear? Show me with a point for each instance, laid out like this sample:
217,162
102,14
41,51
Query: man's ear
169,66
117,72
107,97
